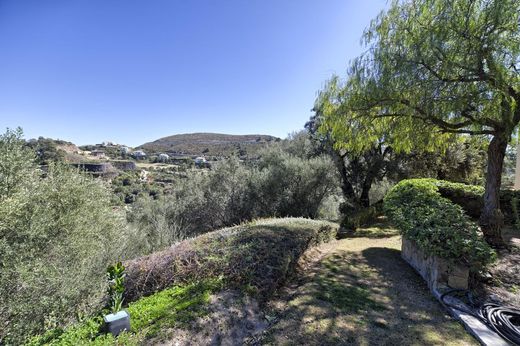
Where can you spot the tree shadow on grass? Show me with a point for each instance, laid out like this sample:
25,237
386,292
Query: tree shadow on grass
370,297
377,228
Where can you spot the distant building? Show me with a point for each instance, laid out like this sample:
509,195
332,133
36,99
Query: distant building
98,153
139,154
163,157
200,160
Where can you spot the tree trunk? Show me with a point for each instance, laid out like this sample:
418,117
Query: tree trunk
491,218
364,199
346,186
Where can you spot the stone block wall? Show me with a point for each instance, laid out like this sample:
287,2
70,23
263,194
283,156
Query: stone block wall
437,272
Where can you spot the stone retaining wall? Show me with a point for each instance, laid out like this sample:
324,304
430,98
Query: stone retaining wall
437,272
102,167
124,165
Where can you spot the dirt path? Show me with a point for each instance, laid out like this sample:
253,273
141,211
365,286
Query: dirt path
362,293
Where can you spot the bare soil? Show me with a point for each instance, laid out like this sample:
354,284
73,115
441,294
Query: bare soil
504,284
234,319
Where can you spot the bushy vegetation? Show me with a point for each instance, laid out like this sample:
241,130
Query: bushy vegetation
280,184
210,144
47,150
470,198
58,233
257,256
59,229
128,188
438,226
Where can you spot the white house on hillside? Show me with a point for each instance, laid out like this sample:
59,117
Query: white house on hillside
200,160
139,154
163,157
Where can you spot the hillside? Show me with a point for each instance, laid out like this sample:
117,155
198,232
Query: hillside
210,144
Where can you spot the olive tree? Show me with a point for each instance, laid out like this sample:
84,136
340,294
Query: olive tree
58,233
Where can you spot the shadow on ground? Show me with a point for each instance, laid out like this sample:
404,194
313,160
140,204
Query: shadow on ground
379,228
363,293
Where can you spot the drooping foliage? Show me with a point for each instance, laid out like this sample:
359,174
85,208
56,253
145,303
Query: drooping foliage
433,69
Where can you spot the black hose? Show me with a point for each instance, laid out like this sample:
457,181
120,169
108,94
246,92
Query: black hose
505,321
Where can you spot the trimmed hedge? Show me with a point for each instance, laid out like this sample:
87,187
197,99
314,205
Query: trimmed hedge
257,256
469,197
437,225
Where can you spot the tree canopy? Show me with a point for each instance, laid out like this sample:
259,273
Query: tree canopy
434,69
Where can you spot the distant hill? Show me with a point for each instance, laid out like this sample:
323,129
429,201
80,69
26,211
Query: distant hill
209,144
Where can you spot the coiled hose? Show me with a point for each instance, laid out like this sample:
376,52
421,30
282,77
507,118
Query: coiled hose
505,321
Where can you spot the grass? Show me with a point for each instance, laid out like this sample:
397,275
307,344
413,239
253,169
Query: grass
150,316
362,293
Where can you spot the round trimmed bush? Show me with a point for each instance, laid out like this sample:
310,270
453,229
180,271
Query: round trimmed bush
438,226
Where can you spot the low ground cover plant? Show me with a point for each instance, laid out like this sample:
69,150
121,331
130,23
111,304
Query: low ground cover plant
438,226
173,307
257,256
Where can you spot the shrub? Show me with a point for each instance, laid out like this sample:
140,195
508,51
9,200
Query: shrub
259,255
438,226
288,185
280,185
58,233
470,198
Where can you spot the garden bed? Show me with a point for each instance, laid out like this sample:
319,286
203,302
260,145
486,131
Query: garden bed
191,287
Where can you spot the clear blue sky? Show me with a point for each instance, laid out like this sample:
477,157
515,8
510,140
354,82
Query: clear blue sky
131,71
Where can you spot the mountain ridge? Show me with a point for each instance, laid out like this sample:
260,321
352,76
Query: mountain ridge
209,143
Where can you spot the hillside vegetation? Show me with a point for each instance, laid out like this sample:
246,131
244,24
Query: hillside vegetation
256,257
211,144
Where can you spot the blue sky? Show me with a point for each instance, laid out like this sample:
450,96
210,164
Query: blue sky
131,71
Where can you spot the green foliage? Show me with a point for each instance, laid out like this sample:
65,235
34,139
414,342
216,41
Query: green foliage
116,286
438,226
46,150
280,184
462,160
57,236
356,219
128,187
288,185
459,188
432,68
515,208
257,257
170,308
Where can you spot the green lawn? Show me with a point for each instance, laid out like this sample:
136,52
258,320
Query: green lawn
150,316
